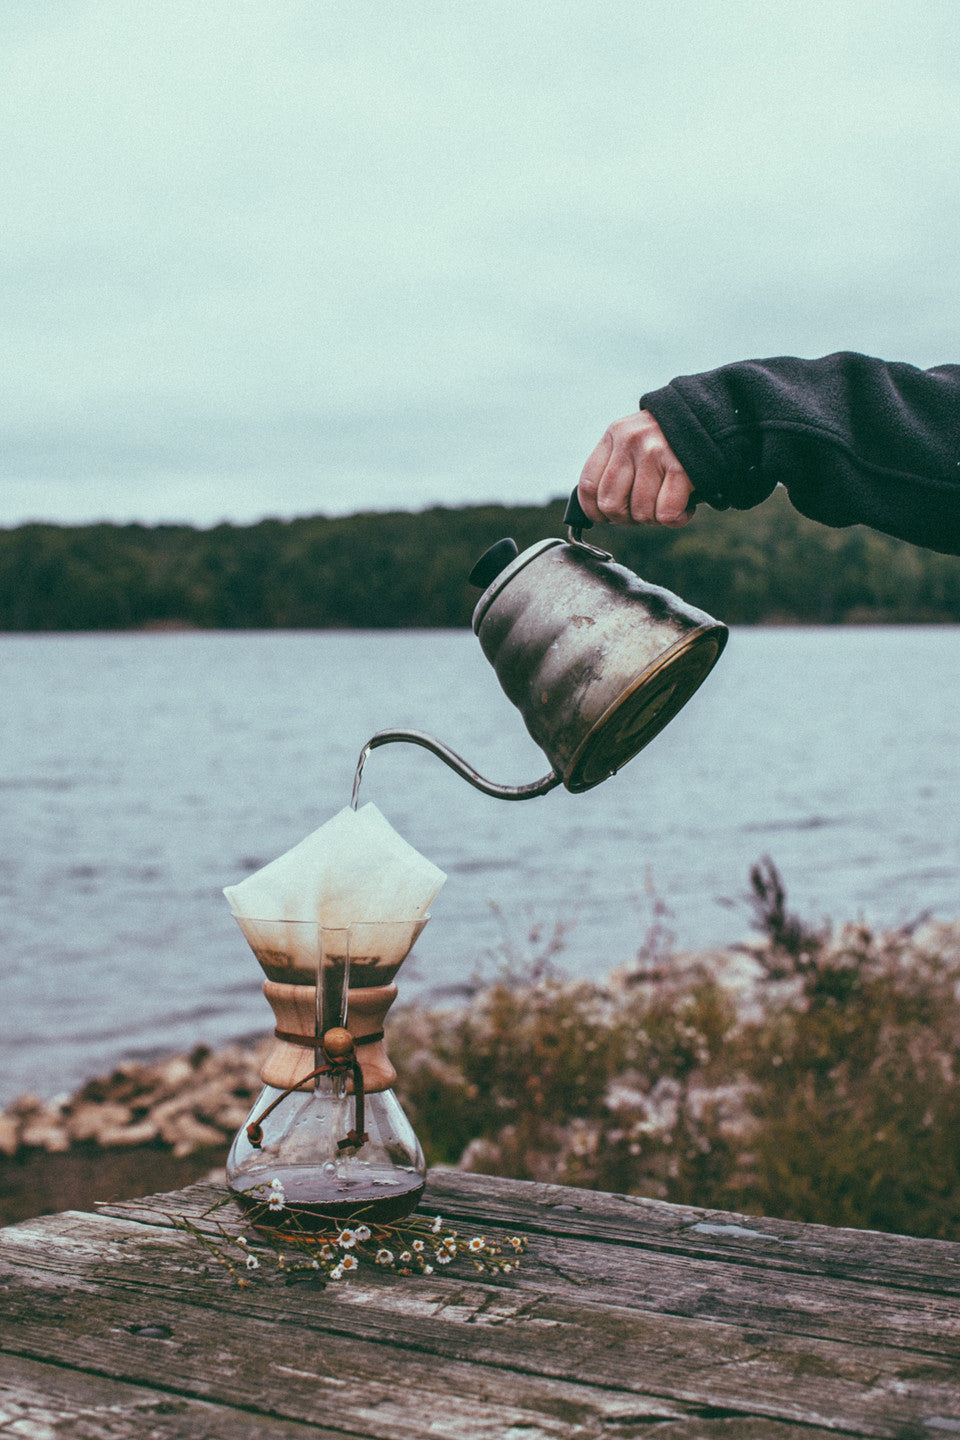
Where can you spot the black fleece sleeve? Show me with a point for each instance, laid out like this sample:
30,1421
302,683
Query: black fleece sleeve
852,439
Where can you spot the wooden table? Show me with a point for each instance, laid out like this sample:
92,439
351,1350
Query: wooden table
627,1318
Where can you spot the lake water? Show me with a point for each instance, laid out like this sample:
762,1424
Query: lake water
141,773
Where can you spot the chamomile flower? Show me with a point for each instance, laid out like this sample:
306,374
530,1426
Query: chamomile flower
338,1252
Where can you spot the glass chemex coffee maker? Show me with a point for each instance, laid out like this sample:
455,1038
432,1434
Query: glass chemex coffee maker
327,1133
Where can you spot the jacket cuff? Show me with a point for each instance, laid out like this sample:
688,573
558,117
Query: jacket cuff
697,451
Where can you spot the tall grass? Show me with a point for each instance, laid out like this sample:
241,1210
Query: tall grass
812,1074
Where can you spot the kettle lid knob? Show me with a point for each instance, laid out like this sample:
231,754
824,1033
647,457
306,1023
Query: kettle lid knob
492,561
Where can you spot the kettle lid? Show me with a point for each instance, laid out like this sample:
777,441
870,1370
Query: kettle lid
492,561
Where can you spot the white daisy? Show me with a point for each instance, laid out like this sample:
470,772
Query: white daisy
384,1257
347,1239
362,1232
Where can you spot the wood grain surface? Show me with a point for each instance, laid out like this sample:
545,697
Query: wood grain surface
627,1318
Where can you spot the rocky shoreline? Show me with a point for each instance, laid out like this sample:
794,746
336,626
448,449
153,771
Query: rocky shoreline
141,1128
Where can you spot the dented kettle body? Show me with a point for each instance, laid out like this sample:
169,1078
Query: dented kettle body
596,659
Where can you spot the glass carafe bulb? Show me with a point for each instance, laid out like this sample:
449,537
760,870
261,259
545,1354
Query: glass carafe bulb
380,1181
327,1127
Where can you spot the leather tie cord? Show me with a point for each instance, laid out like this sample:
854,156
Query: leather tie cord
309,1042
340,1065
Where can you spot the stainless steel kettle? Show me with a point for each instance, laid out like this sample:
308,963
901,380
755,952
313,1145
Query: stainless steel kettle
596,660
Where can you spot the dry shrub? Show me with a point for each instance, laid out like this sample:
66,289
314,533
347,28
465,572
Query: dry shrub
855,1082
814,1075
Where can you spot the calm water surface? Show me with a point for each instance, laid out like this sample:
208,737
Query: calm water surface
141,773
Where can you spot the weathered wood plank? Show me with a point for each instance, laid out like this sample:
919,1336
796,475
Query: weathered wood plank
779,1244
832,1309
51,1402
279,1369
584,1271
46,1402
767,1244
592,1364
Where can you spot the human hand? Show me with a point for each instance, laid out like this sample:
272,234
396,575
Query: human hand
634,478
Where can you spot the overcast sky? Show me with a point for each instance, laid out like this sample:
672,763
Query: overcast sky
278,259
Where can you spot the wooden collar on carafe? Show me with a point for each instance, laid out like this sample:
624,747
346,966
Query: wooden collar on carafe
291,1061
337,1049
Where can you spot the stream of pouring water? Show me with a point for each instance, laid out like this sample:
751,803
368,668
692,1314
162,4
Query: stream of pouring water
358,776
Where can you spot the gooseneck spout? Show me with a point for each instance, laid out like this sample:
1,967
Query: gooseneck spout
456,762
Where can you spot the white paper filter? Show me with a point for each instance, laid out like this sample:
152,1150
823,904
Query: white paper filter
354,869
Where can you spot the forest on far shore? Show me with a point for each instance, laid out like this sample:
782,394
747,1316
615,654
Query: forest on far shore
404,570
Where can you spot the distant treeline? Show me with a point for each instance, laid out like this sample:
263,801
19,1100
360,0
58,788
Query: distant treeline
402,570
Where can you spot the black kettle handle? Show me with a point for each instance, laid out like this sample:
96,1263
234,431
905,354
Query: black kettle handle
573,515
576,522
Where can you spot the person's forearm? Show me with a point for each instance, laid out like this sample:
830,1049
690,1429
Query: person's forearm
853,440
